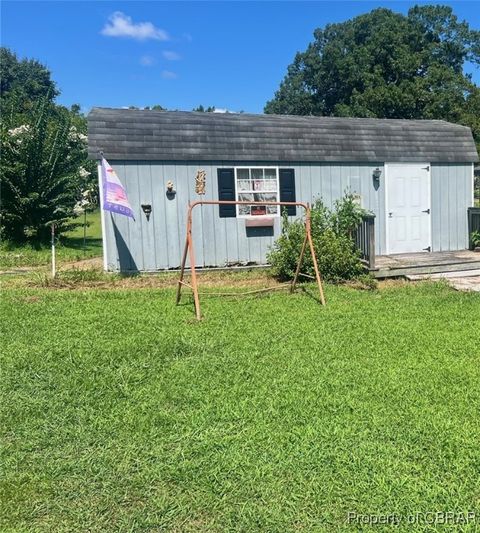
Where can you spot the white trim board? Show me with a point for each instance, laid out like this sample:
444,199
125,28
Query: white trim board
102,218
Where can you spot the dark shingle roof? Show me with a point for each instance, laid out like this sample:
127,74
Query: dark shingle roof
131,134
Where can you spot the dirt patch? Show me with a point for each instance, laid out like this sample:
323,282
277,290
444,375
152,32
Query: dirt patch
88,275
84,264
392,283
96,279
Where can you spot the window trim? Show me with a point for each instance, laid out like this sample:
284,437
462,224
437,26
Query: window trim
276,191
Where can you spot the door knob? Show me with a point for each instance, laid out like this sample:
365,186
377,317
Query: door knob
390,215
426,211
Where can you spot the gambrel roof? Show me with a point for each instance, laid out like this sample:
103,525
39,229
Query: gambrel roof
132,134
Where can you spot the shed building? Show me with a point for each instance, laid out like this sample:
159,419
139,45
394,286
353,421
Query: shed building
415,176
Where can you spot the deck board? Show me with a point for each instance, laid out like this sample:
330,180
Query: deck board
425,262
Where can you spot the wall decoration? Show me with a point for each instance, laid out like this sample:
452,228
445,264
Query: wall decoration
200,181
171,192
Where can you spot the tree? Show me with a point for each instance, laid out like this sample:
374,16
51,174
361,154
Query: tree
44,166
41,172
387,65
27,78
202,109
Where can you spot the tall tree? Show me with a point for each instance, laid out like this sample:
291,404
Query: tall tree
44,165
26,78
387,65
41,171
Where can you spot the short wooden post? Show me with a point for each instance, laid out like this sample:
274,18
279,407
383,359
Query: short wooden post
371,241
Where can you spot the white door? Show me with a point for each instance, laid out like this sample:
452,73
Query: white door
408,207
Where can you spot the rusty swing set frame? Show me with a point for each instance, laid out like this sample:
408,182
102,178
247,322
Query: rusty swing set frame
189,250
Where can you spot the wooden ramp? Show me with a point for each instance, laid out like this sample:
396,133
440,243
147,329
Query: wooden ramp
403,265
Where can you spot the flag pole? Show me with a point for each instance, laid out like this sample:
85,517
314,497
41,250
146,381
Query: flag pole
102,212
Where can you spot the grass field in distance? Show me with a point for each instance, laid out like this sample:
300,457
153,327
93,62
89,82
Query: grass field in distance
68,248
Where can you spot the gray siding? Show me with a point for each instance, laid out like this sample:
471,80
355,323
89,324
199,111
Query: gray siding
452,186
158,243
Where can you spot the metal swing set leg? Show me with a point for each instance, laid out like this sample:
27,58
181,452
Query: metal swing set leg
189,251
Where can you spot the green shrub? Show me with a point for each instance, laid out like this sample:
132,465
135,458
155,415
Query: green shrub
332,234
475,238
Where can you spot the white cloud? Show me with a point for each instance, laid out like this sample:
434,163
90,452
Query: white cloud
121,25
169,75
170,55
147,61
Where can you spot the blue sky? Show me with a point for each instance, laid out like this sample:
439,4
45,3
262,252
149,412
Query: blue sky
177,54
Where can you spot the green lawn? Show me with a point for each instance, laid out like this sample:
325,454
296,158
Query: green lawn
121,413
69,247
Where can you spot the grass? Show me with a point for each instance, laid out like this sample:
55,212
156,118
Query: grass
121,413
69,247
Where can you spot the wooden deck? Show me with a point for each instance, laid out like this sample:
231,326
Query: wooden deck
398,265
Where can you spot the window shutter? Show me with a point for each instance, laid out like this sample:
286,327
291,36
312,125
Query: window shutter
226,191
287,189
